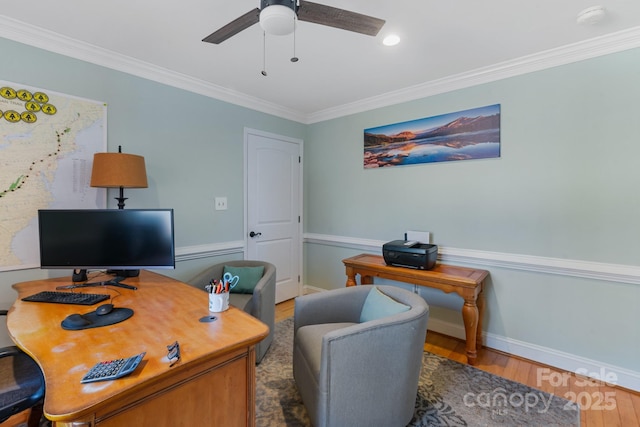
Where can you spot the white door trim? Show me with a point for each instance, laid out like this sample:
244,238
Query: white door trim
300,143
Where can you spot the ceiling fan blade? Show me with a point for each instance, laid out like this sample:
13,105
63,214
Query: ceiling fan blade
234,27
339,18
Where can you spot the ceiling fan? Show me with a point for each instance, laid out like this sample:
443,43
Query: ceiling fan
278,17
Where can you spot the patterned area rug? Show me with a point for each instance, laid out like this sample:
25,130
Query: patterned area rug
449,394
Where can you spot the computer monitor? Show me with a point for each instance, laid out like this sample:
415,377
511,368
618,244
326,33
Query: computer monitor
122,241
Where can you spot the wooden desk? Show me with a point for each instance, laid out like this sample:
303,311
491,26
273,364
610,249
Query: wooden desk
466,282
212,385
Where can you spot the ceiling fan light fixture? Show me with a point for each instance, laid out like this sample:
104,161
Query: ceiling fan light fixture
277,20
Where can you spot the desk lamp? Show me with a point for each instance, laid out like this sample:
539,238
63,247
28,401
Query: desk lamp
118,170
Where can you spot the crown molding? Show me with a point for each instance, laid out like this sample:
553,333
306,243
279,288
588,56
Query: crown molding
21,32
34,36
599,46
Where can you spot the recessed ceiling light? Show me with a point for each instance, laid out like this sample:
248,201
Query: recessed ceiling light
391,40
591,15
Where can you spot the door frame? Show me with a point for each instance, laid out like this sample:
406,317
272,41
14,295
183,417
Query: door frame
300,143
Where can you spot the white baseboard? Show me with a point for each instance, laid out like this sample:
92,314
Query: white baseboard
548,356
308,289
568,362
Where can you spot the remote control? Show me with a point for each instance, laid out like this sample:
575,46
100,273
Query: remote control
112,369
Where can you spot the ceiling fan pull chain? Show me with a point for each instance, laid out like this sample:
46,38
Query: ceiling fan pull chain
264,54
294,58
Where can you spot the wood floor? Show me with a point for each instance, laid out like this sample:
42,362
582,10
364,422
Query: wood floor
602,405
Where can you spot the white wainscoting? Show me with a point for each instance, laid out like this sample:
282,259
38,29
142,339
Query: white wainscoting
563,267
186,253
483,259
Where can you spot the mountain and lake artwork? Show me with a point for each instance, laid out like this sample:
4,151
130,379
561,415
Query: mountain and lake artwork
464,135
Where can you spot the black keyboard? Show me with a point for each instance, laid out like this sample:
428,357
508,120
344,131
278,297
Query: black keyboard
67,298
112,369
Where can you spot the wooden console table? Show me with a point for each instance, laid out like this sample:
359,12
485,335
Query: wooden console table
466,282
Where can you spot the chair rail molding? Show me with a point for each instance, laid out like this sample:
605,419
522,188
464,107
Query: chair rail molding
626,378
186,253
558,266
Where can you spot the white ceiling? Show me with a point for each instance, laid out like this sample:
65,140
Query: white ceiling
445,45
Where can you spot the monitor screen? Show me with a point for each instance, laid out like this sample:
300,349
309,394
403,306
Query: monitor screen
106,238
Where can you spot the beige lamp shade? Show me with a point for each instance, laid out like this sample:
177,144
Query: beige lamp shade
113,170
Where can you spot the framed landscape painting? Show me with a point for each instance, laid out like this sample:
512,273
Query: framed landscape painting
464,135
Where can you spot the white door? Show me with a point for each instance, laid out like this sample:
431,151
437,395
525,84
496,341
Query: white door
273,203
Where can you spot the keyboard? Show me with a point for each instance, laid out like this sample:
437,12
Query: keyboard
67,298
112,369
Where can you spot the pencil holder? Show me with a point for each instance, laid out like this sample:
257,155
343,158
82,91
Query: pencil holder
218,302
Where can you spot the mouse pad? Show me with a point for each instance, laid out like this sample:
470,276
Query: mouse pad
116,316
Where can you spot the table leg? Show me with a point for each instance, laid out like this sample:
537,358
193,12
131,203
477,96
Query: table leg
351,277
470,317
480,303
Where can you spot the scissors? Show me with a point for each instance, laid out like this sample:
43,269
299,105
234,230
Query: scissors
230,279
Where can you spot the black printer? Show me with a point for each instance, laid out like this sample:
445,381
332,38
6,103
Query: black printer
410,253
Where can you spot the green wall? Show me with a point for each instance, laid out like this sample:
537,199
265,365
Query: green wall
193,148
564,185
565,188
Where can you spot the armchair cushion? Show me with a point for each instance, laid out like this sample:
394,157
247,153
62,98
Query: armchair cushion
310,340
248,278
378,305
243,301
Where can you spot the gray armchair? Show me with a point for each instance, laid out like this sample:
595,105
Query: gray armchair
261,304
358,374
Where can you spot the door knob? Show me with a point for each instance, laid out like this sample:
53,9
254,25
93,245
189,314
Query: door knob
254,234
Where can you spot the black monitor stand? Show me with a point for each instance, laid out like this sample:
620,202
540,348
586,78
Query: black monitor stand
79,275
113,282
124,273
